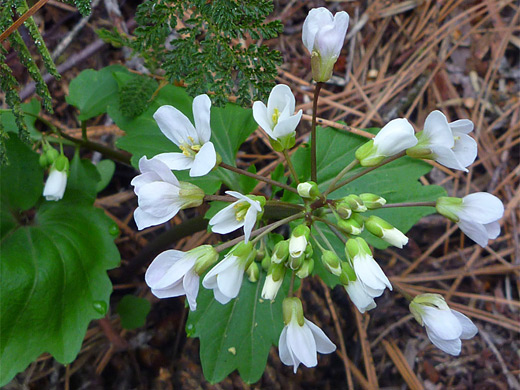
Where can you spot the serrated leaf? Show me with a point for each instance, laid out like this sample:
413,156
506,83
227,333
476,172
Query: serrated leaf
397,182
53,270
133,311
92,90
237,335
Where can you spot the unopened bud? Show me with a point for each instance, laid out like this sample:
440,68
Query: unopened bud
356,247
351,226
382,229
52,154
61,163
308,190
347,274
343,210
355,203
253,271
306,268
331,262
280,252
372,201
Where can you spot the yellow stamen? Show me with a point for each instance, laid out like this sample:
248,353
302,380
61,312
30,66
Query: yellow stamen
275,116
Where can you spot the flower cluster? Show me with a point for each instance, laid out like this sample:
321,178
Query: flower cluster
271,260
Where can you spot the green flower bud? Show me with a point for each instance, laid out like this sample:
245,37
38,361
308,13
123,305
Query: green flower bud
61,163
308,190
367,155
280,252
273,281
306,268
309,251
331,262
295,263
292,308
351,226
347,274
355,203
266,262
52,154
382,229
343,209
43,161
449,206
253,271
277,271
355,247
372,201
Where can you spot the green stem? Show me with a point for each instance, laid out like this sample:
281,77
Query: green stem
368,170
258,177
340,175
333,227
291,286
291,167
410,204
327,242
314,177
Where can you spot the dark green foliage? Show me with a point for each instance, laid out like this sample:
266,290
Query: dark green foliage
209,52
135,96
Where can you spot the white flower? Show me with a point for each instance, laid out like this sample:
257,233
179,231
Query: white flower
360,296
444,327
174,273
396,136
198,153
368,272
323,35
301,339
476,215
225,279
160,195
449,143
278,119
244,212
55,185
271,287
382,229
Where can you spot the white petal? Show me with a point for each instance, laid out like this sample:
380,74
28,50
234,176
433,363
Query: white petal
287,126
252,202
285,356
191,286
144,220
323,343
461,126
442,323
476,231
262,118
230,281
437,130
225,220
465,149
492,229
452,347
396,136
370,273
329,39
201,115
174,124
282,98
55,185
249,222
481,207
157,168
205,160
316,19
175,161
159,199
359,296
301,341
469,330
160,266
175,290
447,157
221,298
395,237
176,272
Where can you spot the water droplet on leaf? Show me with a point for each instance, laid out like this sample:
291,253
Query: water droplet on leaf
100,307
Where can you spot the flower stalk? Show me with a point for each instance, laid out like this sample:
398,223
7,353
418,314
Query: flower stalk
313,131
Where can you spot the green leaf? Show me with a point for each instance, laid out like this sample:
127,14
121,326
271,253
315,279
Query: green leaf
133,311
92,91
106,169
9,122
278,175
247,184
396,182
53,267
237,335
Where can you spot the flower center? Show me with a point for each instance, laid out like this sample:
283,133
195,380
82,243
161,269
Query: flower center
276,115
241,210
190,150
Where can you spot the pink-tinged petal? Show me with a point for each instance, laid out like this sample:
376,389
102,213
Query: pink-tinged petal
481,207
262,118
396,136
302,343
437,130
469,330
144,220
465,149
191,286
201,115
205,160
287,126
159,199
461,126
249,222
315,20
175,161
323,343
442,323
476,231
174,124
446,156
160,266
282,98
452,347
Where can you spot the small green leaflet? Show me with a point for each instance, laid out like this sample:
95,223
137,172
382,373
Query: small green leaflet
133,311
54,265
